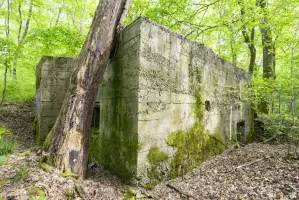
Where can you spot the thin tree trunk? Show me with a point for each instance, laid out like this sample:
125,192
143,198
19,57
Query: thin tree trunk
21,22
59,13
234,55
252,49
293,92
69,138
82,15
268,54
7,60
21,41
248,39
5,81
74,21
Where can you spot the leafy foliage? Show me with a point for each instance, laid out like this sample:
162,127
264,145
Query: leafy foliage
55,28
229,27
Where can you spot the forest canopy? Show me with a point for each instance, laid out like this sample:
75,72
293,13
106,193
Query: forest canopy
257,35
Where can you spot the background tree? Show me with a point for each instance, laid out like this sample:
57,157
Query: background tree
6,49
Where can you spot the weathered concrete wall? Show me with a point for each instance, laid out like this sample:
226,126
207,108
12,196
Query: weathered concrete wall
182,85
52,80
166,104
160,89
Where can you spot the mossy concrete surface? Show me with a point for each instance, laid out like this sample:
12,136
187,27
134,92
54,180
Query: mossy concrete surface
166,104
185,105
52,80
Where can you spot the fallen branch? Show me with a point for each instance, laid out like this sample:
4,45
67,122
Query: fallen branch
247,164
150,196
181,192
273,137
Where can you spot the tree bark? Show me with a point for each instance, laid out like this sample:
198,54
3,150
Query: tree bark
268,52
69,139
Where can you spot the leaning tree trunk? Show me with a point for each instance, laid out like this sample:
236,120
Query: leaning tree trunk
68,141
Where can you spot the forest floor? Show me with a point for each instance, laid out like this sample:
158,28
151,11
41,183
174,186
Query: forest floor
256,171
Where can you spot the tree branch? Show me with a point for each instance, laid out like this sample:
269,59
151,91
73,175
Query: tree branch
179,191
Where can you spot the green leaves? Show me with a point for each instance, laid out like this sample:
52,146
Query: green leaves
57,41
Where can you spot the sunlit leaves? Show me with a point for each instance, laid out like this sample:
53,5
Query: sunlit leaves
56,41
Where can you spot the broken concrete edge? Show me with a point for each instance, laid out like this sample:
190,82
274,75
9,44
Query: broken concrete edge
164,28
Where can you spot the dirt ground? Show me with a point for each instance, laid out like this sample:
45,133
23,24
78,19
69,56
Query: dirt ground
256,171
18,118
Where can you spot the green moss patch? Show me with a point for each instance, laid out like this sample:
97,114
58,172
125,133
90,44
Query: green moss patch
25,154
195,145
70,194
36,191
117,147
69,174
155,155
47,142
130,195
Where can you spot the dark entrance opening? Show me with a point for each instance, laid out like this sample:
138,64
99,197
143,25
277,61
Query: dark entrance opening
95,123
208,105
241,131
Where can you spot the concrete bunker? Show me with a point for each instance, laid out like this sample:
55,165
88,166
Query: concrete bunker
164,104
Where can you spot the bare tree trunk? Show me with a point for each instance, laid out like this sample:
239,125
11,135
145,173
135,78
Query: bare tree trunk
7,60
68,141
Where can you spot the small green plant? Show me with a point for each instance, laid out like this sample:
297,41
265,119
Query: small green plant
130,195
37,192
70,194
6,146
3,182
25,154
22,174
